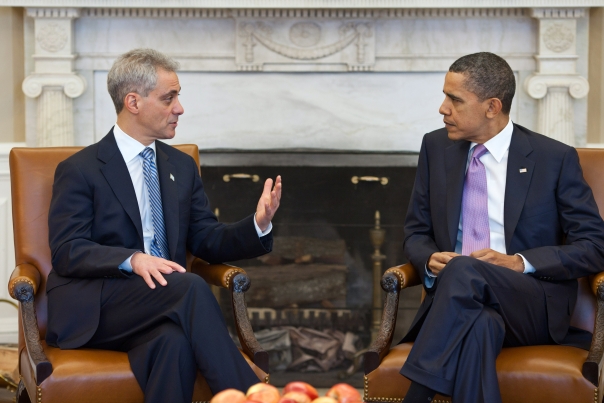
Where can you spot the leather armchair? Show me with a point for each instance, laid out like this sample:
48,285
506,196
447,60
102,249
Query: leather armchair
49,374
535,374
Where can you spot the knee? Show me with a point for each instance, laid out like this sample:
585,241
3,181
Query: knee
458,269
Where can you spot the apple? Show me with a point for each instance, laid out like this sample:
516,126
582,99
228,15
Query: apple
301,387
344,393
324,399
295,397
263,393
229,396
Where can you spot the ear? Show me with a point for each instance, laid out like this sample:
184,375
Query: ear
131,102
494,106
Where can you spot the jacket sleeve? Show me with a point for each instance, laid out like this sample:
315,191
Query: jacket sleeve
419,242
582,252
217,242
70,225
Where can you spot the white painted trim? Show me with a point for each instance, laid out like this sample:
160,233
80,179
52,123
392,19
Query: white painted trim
318,4
9,324
594,145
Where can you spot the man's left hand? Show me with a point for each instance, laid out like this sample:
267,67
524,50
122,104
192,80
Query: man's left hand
513,262
268,203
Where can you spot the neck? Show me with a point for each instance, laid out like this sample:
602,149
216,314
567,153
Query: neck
132,129
495,127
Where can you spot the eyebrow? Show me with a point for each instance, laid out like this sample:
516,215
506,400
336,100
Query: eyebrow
454,97
171,92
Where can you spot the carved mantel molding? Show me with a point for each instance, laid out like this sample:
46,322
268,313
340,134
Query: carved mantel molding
301,4
556,81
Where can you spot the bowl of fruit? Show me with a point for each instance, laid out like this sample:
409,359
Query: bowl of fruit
293,392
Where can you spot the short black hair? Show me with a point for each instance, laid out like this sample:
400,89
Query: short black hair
487,76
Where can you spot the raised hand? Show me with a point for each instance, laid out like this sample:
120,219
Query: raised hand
268,203
152,267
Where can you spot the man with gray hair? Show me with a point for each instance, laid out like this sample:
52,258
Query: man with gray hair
123,214
500,225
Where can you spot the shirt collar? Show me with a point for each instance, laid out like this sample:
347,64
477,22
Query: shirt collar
128,146
500,143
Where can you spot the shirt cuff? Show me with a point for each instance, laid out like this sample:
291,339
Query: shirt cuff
259,231
430,278
126,266
528,268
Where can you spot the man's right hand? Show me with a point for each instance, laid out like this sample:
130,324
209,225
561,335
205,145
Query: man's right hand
151,267
439,260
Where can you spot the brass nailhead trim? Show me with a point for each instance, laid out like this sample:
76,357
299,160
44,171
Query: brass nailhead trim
14,284
399,275
231,274
596,395
267,378
39,389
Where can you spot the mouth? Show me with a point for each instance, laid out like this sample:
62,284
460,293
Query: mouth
448,123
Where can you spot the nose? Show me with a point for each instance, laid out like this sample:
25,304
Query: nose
178,109
444,109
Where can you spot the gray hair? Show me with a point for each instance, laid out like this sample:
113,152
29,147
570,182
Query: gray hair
136,71
488,76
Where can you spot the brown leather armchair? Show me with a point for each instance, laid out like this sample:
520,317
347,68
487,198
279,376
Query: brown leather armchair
535,374
49,374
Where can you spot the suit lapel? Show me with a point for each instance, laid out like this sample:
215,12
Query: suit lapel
519,173
116,172
169,197
456,157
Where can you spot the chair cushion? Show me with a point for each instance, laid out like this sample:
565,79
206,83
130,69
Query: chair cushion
535,374
95,376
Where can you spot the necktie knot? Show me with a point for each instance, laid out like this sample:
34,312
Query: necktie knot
147,153
479,151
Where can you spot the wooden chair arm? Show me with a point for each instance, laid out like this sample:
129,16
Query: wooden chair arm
591,366
393,281
23,285
23,274
220,275
237,281
407,275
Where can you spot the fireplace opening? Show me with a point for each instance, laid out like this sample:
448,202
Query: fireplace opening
311,302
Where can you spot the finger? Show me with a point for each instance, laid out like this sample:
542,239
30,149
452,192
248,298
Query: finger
160,279
148,280
268,186
175,266
165,269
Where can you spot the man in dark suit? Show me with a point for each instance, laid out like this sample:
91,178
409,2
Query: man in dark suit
500,225
123,214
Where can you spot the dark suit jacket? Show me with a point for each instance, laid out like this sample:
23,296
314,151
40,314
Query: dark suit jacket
95,224
550,216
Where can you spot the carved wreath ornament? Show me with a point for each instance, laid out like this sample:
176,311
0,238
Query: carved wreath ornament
305,34
558,38
52,37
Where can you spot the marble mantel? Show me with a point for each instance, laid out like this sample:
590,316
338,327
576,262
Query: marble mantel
358,75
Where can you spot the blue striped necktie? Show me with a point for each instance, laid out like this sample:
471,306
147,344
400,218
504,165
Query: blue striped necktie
159,244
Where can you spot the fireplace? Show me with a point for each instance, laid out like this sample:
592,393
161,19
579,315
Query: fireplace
311,301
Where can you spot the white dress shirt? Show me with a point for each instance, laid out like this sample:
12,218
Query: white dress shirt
131,149
495,162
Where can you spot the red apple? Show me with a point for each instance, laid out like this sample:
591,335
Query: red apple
325,399
301,387
263,393
229,396
295,397
344,393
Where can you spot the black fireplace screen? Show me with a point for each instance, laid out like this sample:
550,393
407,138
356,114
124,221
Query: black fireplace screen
311,300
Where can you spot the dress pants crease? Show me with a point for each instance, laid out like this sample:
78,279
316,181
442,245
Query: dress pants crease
169,332
477,309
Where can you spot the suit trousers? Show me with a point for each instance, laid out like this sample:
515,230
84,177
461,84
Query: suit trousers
169,332
477,308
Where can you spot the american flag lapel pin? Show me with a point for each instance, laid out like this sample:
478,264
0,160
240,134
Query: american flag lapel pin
172,177
522,171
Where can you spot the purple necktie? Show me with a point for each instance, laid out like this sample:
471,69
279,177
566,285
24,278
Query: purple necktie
475,208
